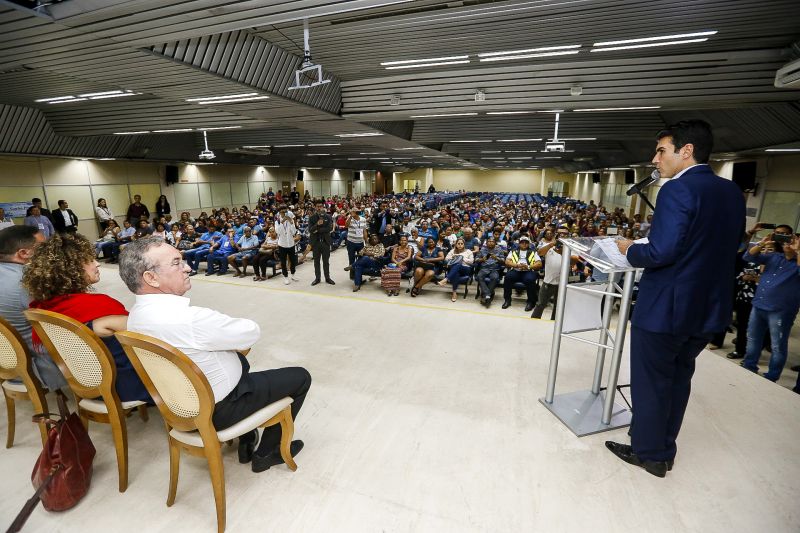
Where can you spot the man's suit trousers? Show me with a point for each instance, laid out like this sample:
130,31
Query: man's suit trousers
662,366
322,251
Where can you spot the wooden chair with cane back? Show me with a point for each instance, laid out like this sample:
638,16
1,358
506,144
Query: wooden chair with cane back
16,364
91,373
186,402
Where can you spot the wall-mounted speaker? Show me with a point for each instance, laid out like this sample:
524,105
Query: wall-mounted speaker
356,175
630,176
595,177
299,175
744,175
171,174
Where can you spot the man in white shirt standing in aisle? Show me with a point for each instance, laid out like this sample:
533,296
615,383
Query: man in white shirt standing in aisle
552,271
155,272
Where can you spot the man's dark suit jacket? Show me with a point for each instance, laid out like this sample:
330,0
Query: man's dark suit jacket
58,220
320,234
690,259
377,220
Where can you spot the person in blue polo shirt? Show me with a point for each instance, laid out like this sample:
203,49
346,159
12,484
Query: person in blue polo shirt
200,251
219,252
777,299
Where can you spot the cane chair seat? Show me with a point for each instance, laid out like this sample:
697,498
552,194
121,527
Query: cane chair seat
14,386
99,406
256,420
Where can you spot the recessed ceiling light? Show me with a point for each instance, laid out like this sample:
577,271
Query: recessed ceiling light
660,38
508,112
219,128
617,108
365,134
444,115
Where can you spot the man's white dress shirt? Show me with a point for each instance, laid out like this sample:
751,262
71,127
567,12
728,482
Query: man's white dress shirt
209,338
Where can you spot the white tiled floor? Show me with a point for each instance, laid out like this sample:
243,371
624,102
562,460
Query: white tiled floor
424,417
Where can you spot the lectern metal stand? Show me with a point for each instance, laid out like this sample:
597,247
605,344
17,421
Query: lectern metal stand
591,411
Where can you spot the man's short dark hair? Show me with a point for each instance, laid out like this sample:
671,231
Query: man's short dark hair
34,200
15,238
694,132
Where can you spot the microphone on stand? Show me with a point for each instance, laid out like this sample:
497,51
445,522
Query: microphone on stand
645,183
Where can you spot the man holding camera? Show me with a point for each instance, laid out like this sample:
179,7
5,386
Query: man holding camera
320,225
777,299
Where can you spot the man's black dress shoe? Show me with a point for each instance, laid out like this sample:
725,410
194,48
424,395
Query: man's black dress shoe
625,452
274,457
506,304
247,445
315,282
529,307
329,281
734,355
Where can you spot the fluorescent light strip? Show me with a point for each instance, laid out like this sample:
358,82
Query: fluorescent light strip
543,49
508,112
517,140
649,45
370,153
219,128
172,131
412,148
226,97
233,100
67,101
617,108
366,134
105,93
575,139
288,145
55,98
528,56
490,151
130,132
428,60
257,146
421,65
782,150
111,96
550,157
480,141
661,38
326,144
445,115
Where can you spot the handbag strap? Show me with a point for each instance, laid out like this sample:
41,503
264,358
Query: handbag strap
62,404
34,500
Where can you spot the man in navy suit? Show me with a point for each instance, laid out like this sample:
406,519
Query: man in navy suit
685,293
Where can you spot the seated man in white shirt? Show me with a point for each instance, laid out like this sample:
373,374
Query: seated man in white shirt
155,272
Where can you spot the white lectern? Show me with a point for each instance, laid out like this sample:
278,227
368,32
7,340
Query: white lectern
592,411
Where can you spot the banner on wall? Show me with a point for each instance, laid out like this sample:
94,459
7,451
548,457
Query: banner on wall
15,209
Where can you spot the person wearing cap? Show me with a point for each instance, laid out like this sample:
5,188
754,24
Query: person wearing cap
522,266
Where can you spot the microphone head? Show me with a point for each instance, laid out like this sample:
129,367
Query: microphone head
656,175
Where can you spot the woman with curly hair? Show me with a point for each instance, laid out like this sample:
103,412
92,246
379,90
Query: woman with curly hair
59,278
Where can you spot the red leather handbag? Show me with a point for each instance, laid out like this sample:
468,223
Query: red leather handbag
63,471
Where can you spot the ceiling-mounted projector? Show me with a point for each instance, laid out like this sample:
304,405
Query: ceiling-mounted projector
308,72
555,146
206,154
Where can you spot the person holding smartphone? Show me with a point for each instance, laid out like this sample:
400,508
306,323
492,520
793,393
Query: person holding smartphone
777,299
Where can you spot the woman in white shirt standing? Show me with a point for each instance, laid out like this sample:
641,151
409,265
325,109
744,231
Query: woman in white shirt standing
459,267
103,214
287,237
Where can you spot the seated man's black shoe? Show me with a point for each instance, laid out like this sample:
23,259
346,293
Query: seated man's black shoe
274,457
506,304
625,452
247,445
529,307
734,355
